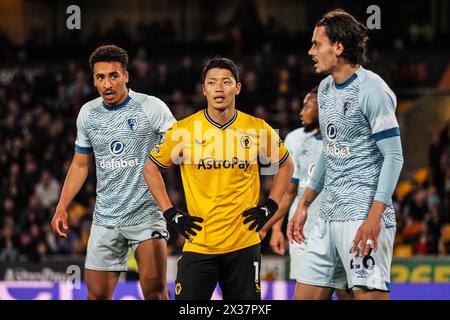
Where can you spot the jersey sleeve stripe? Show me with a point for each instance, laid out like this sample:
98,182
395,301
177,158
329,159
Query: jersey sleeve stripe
284,158
157,162
83,149
386,134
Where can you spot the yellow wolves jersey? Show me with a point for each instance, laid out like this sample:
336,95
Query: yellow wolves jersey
220,172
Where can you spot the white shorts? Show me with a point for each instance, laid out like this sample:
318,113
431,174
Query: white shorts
296,251
108,248
328,262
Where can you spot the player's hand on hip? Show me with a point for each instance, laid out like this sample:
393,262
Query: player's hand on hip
59,223
367,236
183,222
295,226
278,242
259,215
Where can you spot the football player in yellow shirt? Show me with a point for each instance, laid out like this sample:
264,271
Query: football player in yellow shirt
221,152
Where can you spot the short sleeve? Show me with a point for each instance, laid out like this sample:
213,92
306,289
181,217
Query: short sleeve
271,148
378,104
82,142
169,150
296,175
158,114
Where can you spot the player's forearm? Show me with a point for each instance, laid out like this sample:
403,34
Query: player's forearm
391,149
281,180
156,185
308,196
376,211
318,176
76,176
278,225
283,208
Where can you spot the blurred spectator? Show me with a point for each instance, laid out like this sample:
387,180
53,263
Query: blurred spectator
47,190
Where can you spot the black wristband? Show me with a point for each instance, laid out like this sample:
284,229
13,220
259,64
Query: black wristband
170,213
271,205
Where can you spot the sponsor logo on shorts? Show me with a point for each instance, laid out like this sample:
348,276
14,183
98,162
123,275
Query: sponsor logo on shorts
361,273
178,288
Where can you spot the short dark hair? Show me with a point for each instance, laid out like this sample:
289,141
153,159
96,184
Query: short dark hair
221,63
109,52
341,26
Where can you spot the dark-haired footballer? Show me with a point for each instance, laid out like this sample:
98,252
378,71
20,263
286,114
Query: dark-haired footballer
351,243
220,151
119,128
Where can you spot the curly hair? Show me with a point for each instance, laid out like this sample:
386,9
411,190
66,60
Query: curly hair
341,26
109,53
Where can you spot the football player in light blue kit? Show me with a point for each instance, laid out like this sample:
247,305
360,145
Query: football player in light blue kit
119,128
305,145
351,243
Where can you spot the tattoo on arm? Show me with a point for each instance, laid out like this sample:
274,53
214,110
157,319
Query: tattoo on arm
307,203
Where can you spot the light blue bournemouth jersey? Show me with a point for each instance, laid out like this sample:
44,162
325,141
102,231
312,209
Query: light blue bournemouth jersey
306,154
353,116
292,142
120,138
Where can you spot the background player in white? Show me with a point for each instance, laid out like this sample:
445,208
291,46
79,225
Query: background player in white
305,144
351,243
120,128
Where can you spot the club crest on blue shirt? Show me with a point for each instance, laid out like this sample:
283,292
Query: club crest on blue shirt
132,124
347,107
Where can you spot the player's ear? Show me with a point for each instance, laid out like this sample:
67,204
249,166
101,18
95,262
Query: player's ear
126,76
238,88
203,89
339,48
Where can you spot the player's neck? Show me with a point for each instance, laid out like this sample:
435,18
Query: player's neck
221,116
343,72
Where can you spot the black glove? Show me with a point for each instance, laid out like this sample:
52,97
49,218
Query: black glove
260,214
182,221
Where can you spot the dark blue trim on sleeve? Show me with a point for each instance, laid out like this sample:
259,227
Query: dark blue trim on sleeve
83,149
294,180
386,134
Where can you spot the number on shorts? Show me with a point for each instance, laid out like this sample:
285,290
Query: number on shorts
256,265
